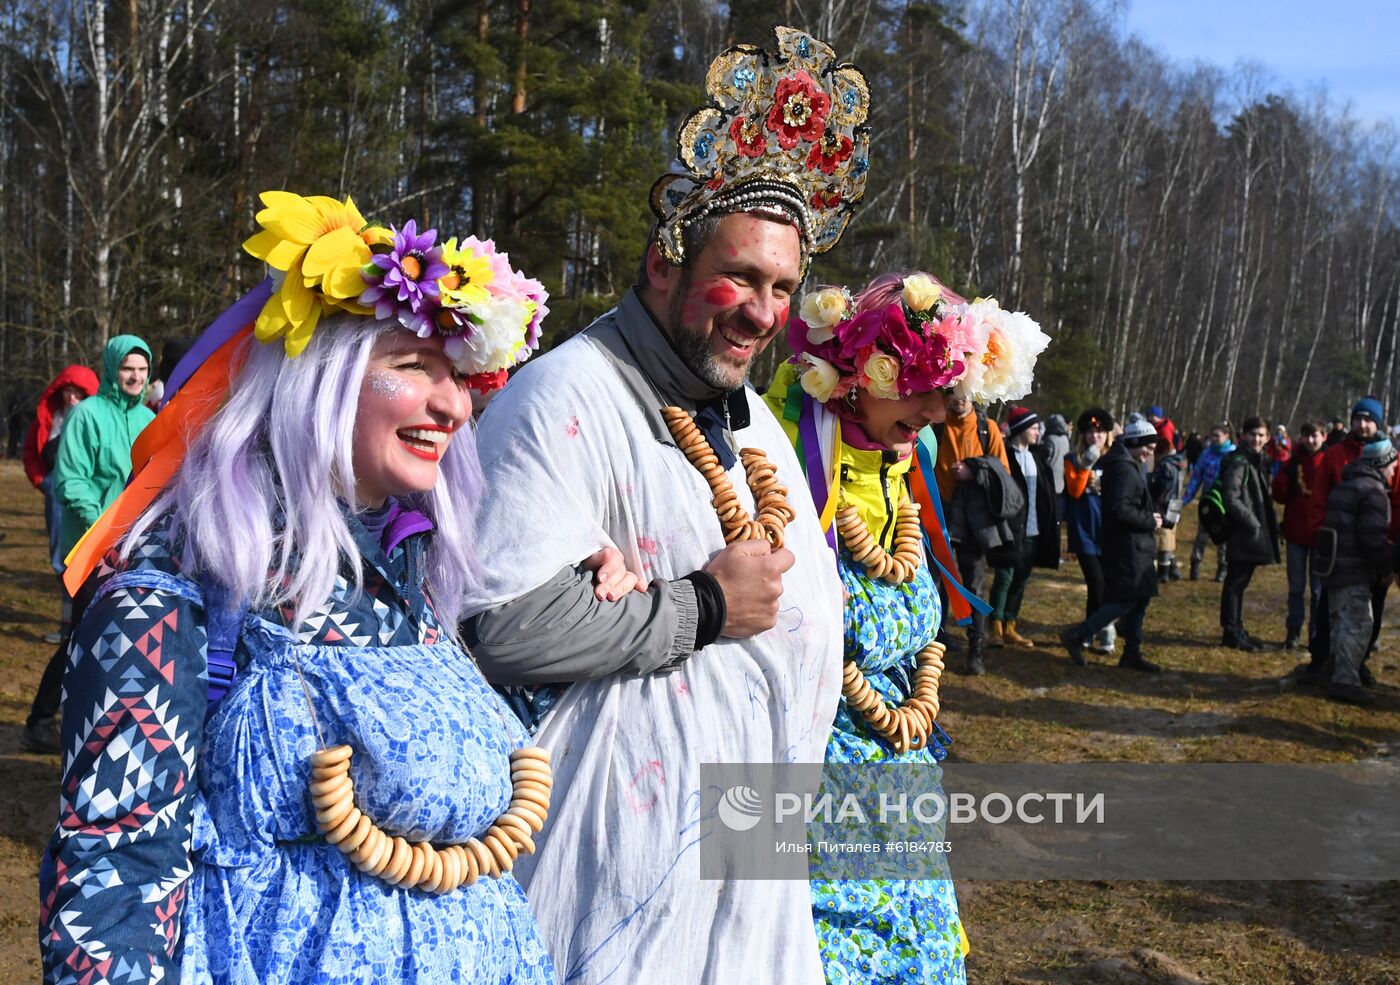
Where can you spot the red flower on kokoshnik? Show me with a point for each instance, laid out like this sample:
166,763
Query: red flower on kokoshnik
799,110
828,153
826,198
748,136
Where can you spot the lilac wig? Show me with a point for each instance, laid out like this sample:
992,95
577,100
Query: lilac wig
260,496
888,289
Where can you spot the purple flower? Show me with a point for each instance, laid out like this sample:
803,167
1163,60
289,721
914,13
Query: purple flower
403,282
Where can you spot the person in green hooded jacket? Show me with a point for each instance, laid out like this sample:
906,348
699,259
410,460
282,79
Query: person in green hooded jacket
93,464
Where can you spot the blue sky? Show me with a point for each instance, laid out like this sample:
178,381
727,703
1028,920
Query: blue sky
1352,46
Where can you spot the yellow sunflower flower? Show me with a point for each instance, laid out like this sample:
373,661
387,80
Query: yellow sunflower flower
468,275
320,244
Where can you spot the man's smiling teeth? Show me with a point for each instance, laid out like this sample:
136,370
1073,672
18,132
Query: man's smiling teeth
736,339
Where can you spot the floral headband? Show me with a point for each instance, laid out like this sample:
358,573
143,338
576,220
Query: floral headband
327,258
920,343
784,133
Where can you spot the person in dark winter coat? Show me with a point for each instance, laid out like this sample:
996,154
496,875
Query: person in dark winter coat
1357,518
1254,529
1292,488
1036,528
1130,572
1167,484
1367,418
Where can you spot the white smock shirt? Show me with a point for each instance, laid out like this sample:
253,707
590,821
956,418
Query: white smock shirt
574,463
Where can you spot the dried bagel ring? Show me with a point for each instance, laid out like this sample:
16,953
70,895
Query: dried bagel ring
329,785
357,835
331,756
341,830
497,847
485,861
530,817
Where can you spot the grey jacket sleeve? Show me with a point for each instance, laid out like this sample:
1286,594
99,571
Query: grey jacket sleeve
561,632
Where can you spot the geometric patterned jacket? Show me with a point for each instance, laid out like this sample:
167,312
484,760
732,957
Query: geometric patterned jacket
112,883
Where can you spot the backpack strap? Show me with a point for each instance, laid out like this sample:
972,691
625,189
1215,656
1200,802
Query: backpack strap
223,625
984,434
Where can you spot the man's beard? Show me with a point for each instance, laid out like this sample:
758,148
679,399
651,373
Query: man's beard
695,348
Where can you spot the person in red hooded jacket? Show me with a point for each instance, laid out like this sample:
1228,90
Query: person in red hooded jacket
68,389
1293,488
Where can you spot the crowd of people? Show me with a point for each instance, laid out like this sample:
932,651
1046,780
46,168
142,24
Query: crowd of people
364,683
1121,489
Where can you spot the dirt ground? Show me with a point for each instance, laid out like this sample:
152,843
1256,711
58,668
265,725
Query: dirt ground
1213,705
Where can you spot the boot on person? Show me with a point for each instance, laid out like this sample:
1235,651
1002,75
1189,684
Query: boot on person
41,737
1074,645
1290,640
1163,568
996,634
1133,660
1352,694
1009,634
976,653
1173,572
1239,640
1220,572
1195,569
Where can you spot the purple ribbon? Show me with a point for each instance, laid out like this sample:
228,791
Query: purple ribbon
812,461
243,312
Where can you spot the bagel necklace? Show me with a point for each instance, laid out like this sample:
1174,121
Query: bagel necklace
769,495
418,865
909,725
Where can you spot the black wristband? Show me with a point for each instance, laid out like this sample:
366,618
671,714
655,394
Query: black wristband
711,610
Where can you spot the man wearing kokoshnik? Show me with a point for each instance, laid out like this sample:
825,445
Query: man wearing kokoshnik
639,435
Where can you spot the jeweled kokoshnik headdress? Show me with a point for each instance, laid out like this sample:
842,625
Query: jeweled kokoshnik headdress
785,134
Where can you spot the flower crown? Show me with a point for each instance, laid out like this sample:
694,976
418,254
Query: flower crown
920,343
784,134
327,258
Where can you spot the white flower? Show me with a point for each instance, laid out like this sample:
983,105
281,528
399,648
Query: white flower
920,292
820,378
498,341
821,310
883,373
1009,342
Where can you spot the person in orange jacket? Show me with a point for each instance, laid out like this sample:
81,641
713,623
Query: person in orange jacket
965,434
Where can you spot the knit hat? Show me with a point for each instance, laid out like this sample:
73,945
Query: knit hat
1139,433
1369,407
1155,411
1379,453
1096,418
1020,418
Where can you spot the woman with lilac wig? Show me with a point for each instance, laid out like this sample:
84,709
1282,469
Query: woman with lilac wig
868,376
294,587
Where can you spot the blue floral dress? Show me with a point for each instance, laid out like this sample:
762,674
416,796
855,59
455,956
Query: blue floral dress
879,930
882,930
188,849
